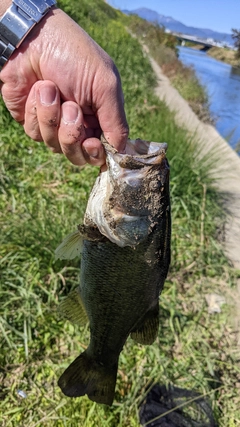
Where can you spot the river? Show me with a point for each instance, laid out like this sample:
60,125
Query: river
222,83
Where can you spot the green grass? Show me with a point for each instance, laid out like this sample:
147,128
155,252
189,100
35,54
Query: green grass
42,198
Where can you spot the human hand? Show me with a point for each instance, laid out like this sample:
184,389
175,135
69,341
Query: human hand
65,91
60,125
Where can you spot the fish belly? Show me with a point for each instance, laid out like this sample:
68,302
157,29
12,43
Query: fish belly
120,290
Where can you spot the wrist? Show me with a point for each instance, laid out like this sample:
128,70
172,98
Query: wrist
17,21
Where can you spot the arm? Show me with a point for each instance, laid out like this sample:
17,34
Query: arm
65,90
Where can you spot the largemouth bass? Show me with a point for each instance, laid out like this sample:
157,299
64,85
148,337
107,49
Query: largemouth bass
125,254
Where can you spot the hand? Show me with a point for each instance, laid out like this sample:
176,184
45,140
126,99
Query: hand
65,90
60,125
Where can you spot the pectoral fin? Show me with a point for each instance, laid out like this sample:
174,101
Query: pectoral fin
72,309
71,246
146,331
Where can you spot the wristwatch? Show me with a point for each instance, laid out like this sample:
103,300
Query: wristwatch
17,22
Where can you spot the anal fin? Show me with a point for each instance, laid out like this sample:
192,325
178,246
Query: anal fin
72,308
147,330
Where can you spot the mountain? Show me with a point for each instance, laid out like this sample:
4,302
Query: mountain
178,27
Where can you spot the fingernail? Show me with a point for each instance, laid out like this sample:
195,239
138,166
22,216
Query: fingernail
90,152
70,113
94,153
47,95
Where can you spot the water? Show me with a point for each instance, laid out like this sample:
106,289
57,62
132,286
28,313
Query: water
222,83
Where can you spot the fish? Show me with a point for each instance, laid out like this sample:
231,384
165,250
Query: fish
124,243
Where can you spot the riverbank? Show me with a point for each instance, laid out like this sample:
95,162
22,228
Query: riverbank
227,169
222,83
208,139
221,54
184,79
225,55
163,48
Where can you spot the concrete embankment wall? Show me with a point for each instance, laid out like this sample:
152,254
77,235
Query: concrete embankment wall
226,168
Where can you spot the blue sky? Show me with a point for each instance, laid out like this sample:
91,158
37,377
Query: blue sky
218,15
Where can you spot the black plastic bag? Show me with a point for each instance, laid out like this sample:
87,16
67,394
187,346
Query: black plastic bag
191,410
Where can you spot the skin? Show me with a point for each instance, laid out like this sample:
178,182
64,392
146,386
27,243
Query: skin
65,90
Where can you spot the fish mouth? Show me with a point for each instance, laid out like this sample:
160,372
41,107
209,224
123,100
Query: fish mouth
126,197
136,147
138,153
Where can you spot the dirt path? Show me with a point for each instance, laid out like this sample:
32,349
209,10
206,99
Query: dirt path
227,168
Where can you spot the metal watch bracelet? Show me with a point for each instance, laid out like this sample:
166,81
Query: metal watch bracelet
17,22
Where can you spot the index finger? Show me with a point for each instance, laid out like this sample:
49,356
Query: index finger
111,114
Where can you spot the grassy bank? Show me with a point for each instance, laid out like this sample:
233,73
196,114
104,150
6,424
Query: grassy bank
225,55
163,48
42,198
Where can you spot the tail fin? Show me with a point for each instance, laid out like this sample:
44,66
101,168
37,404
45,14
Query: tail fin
86,376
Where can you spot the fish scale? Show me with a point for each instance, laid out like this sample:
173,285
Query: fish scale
125,256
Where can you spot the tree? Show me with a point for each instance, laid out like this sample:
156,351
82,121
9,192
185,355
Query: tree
236,38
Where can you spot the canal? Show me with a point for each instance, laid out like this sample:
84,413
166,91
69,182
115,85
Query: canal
222,83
